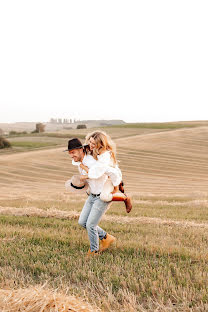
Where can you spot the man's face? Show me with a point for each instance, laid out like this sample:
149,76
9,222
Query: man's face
77,154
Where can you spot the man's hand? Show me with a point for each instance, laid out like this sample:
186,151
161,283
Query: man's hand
83,177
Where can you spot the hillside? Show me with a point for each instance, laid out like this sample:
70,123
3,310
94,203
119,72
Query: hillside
175,161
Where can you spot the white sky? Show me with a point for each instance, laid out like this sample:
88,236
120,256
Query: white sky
132,60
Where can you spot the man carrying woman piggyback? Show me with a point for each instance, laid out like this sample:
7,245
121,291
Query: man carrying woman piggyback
99,172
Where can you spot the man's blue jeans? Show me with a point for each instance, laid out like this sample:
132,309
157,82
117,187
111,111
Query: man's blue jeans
89,218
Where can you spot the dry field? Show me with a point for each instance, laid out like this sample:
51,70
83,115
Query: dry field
159,262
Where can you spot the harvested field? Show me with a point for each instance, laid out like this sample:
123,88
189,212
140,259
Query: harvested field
39,299
159,261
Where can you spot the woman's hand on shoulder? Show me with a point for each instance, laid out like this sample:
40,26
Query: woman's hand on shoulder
84,167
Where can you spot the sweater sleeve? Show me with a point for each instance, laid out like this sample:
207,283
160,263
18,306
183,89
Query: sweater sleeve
114,174
75,163
100,167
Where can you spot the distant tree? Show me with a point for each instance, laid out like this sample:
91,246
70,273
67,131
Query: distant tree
81,126
12,132
4,143
17,132
40,127
1,132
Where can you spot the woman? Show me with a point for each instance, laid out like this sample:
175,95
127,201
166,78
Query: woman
102,149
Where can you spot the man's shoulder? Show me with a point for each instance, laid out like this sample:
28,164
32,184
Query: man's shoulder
75,163
89,157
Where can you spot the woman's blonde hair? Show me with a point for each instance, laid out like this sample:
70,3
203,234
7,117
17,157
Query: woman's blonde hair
103,143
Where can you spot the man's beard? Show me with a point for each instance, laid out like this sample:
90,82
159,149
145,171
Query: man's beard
79,158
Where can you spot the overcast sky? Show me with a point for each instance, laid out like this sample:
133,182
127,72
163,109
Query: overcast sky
131,60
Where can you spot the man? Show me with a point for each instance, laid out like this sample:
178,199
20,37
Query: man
94,207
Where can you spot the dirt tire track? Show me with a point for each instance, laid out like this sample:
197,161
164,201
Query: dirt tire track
63,214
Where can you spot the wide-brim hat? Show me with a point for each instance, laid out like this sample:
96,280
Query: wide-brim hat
75,144
75,185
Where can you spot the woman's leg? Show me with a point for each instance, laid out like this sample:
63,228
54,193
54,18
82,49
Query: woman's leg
108,195
125,198
94,231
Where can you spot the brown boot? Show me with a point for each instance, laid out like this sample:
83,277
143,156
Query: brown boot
118,197
128,204
106,242
121,187
92,253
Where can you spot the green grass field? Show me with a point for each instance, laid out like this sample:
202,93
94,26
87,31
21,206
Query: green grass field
160,259
150,266
163,125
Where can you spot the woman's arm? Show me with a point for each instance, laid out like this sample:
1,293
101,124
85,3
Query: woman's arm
83,177
99,168
84,167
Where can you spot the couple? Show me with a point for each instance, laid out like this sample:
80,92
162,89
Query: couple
99,171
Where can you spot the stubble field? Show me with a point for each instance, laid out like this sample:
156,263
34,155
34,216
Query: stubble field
159,262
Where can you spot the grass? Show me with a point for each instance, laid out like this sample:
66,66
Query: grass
41,299
22,144
173,209
49,134
54,250
152,265
62,135
159,262
161,125
32,145
114,132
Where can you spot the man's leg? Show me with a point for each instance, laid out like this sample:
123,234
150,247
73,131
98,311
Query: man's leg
101,232
85,212
94,232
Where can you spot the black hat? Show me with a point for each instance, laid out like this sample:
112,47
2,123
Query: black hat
74,144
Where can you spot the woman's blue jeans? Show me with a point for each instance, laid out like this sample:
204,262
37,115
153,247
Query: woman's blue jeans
89,218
